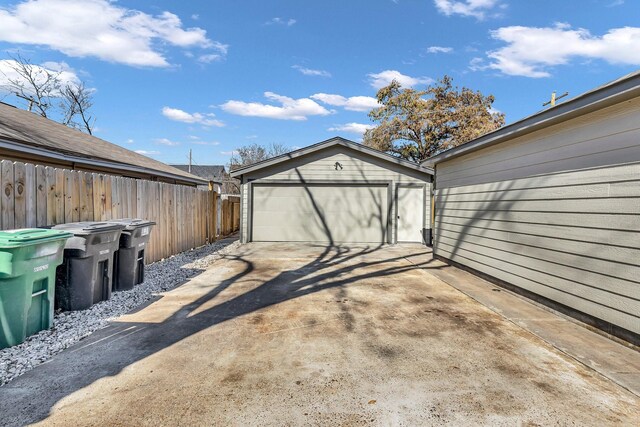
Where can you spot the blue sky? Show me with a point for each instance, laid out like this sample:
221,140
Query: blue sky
215,75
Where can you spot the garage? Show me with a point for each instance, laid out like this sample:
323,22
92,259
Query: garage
334,192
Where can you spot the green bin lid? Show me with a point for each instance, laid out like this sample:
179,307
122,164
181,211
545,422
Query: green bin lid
30,236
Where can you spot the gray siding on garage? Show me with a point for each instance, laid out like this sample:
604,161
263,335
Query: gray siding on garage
555,212
319,167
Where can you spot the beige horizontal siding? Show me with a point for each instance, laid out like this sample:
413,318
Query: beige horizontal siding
572,233
599,221
556,212
605,306
320,166
603,138
577,247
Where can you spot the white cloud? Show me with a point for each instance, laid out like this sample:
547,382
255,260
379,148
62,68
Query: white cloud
311,72
196,140
166,141
229,153
384,78
477,64
358,128
178,115
206,142
129,141
209,58
66,74
476,8
354,103
439,49
281,21
531,51
100,28
288,108
147,153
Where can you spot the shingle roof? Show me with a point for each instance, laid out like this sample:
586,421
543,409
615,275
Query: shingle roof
208,172
22,128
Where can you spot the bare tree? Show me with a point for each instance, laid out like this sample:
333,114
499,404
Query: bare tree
48,95
254,153
76,102
248,155
35,84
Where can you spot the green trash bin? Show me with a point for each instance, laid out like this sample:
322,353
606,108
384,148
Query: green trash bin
28,261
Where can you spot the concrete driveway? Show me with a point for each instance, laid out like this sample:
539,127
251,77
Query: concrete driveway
294,334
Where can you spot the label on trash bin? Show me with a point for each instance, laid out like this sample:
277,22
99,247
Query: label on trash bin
140,244
40,268
144,231
104,252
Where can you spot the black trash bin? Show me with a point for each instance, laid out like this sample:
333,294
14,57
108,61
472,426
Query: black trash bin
85,277
129,260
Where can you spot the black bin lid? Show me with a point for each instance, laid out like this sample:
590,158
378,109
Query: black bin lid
132,223
89,227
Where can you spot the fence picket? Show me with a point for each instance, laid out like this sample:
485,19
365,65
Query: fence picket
19,190
8,202
30,195
39,196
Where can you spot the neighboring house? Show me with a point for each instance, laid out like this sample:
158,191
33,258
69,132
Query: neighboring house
550,206
336,191
211,173
28,137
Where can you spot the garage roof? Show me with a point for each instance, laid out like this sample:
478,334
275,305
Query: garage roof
622,89
336,141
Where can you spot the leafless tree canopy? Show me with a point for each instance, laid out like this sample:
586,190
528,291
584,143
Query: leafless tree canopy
248,155
77,101
254,153
46,94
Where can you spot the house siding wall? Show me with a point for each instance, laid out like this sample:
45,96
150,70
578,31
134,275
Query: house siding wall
555,212
320,167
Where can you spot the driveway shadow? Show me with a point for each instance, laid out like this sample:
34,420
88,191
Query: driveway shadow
31,397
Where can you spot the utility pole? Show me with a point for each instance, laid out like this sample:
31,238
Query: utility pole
31,101
554,98
189,160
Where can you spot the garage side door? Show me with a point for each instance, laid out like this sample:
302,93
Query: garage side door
319,213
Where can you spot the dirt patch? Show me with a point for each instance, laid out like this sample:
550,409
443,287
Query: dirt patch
233,377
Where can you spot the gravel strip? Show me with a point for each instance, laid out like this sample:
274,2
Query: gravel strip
72,326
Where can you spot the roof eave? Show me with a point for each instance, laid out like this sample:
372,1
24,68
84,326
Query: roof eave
12,145
611,93
323,145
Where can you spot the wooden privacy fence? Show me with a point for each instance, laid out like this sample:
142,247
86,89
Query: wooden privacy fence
230,214
42,196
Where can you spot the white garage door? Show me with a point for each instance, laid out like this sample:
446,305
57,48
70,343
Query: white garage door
319,213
